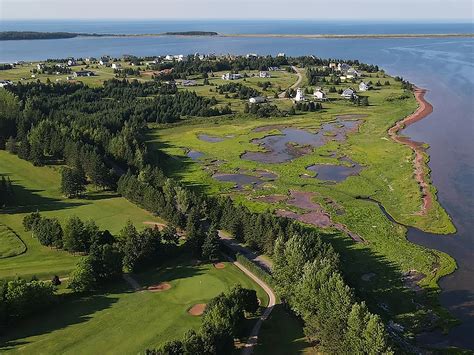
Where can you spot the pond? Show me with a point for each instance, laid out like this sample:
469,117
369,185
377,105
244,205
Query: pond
337,173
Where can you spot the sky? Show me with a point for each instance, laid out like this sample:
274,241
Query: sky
456,10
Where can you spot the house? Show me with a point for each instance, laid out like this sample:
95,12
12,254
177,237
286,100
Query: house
257,100
189,83
349,94
281,55
4,83
352,72
332,65
320,95
265,74
230,76
40,66
71,62
116,66
83,73
164,72
251,55
299,95
343,67
363,86
273,68
104,61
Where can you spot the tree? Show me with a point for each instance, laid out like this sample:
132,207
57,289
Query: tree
210,247
48,231
74,235
83,279
30,219
73,182
11,145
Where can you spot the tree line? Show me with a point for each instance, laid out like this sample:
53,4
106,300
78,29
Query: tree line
238,90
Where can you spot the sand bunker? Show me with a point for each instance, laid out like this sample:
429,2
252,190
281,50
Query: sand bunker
197,310
164,286
219,265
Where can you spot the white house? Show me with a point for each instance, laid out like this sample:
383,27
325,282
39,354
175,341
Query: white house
40,66
273,68
363,86
83,73
257,100
320,95
265,74
353,72
252,55
189,83
71,62
332,66
104,61
299,95
116,66
281,55
343,67
230,76
349,94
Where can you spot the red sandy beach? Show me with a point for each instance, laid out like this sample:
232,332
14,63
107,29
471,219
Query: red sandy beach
424,109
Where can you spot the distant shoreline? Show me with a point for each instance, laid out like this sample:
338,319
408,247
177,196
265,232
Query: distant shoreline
28,35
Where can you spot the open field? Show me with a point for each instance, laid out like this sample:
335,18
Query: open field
37,189
10,243
386,176
146,319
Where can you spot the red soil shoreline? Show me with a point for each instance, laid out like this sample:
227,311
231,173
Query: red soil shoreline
424,109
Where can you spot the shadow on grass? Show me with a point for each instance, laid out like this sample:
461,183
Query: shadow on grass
71,309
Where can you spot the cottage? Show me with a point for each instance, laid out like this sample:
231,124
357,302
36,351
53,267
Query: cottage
40,66
265,74
71,62
343,67
363,86
352,72
189,83
230,76
83,73
320,95
332,66
251,55
281,55
4,83
299,95
116,66
273,68
257,100
349,94
104,61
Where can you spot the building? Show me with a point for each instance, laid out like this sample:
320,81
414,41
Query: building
343,67
83,73
4,83
320,95
332,65
104,61
230,76
352,72
265,74
40,66
252,55
299,95
257,100
281,55
363,86
349,94
71,62
273,68
189,83
116,66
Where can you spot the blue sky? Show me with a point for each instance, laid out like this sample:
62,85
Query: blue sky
238,9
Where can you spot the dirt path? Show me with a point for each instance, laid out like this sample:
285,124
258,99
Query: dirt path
423,110
296,84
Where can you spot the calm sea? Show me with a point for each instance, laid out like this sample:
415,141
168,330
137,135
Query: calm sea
444,66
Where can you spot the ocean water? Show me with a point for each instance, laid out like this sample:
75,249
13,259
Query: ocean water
443,66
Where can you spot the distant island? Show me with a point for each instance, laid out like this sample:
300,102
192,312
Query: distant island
191,33
31,35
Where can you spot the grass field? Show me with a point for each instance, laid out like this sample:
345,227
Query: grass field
133,321
387,177
37,189
10,243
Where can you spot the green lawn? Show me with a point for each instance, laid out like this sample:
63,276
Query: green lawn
37,189
123,321
10,243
